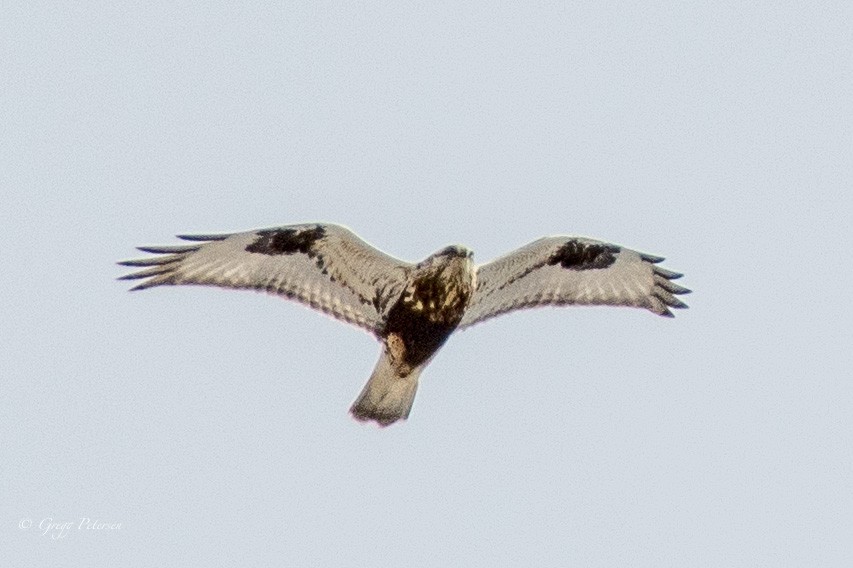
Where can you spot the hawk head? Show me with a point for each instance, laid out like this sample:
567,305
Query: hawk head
455,258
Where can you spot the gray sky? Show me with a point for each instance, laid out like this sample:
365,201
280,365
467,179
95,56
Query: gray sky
212,425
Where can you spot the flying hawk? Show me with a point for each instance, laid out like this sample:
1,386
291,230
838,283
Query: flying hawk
411,308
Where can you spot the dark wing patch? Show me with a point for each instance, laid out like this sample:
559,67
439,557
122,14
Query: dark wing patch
287,241
577,255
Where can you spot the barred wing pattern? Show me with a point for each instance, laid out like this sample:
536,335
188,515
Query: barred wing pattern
325,266
572,270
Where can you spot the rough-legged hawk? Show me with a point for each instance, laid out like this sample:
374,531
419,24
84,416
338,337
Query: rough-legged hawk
411,308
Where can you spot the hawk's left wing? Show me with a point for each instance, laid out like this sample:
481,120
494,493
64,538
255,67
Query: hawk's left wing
325,266
572,270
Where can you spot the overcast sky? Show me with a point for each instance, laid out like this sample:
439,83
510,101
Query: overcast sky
200,426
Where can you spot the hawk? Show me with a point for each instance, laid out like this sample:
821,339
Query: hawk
411,308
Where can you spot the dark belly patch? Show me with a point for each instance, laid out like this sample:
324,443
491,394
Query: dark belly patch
423,318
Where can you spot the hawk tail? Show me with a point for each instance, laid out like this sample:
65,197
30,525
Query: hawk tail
388,395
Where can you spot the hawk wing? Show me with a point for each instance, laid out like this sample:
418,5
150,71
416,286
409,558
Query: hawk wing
326,267
572,270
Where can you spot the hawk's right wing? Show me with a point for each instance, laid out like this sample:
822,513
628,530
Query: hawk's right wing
325,266
572,271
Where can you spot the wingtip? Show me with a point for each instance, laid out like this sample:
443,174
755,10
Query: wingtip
150,283
151,261
140,286
195,238
668,274
652,258
169,249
